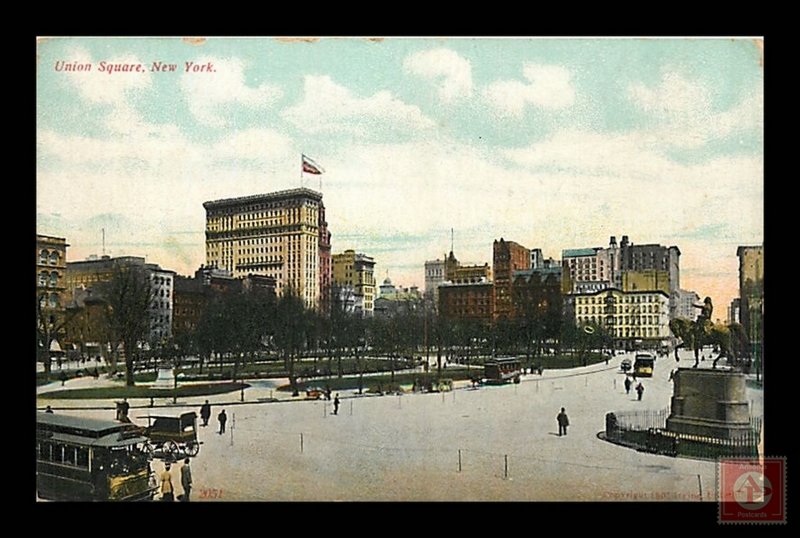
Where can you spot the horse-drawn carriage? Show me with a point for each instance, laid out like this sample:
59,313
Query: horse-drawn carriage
172,437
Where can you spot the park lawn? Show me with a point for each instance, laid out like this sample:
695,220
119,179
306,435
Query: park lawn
384,382
110,393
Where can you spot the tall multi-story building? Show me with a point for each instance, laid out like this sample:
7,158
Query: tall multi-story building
625,267
467,301
638,319
434,277
355,274
507,258
51,268
586,270
276,234
325,262
653,257
751,292
537,297
94,274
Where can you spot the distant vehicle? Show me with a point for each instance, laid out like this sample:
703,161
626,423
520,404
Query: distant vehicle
172,437
82,459
643,365
314,393
626,364
502,370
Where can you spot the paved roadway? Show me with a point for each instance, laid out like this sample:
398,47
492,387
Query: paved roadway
396,448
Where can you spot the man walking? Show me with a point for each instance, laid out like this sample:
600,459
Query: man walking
222,418
336,404
628,384
205,413
640,390
563,422
186,480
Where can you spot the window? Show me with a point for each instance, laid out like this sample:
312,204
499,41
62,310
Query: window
54,302
43,278
43,254
53,279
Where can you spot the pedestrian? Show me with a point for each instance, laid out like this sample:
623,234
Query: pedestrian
606,360
48,409
63,377
186,480
336,404
167,491
628,384
124,408
640,390
563,422
205,413
328,393
222,418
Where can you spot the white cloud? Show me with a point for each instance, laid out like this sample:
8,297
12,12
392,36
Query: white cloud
210,96
548,87
451,72
106,87
329,107
684,112
255,144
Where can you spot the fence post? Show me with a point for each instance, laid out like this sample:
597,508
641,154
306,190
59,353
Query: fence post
351,408
459,460
700,486
301,443
505,472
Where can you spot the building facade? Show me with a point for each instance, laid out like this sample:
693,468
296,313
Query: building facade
507,258
687,300
354,274
434,276
623,266
586,270
635,320
537,297
325,262
94,274
474,302
751,292
734,311
51,269
276,235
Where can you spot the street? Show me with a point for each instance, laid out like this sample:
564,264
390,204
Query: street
397,448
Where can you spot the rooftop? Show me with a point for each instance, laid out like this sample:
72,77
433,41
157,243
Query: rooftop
576,252
268,197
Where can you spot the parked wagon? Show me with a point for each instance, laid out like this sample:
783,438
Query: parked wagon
172,437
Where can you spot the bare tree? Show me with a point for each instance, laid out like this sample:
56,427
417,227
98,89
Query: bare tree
129,297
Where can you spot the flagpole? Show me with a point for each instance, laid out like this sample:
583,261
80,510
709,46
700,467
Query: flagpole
301,170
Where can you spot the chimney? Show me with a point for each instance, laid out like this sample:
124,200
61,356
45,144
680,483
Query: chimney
613,242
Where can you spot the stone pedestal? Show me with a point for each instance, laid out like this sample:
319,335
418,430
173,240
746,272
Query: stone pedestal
165,379
710,403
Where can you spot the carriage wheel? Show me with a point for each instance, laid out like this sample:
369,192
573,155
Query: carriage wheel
192,448
171,448
149,449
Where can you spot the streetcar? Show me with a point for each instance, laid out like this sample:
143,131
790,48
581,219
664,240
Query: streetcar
502,370
643,365
83,459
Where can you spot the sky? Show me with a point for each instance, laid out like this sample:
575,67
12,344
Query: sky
552,143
